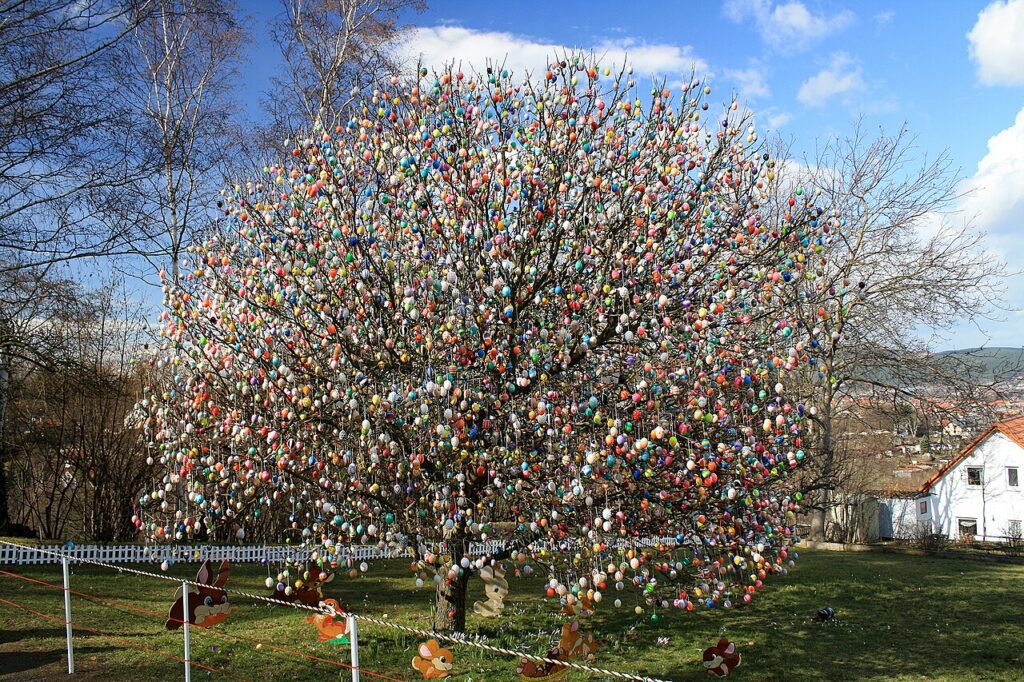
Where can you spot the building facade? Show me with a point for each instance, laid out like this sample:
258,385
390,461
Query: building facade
978,495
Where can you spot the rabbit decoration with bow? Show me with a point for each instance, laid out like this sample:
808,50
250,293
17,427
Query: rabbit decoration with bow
207,602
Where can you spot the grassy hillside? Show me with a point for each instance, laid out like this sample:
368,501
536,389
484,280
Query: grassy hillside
990,363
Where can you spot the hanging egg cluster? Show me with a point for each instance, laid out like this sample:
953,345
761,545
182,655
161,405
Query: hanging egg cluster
555,313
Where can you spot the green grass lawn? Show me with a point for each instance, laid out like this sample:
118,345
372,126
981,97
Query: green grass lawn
901,617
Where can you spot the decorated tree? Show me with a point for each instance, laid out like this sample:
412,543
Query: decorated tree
545,311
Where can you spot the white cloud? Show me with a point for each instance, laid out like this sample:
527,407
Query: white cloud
996,191
883,19
437,45
993,202
996,43
750,82
788,25
775,119
840,77
652,58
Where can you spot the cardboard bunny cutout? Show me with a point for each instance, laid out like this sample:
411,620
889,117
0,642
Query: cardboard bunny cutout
207,603
721,659
331,630
434,662
574,644
495,589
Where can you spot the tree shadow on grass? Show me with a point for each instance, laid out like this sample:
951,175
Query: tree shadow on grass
47,663
12,662
16,635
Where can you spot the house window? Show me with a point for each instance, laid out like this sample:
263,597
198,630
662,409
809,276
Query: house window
967,528
973,475
1012,477
923,507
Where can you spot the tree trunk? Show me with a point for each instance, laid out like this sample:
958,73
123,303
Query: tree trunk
450,600
5,519
817,531
172,206
824,501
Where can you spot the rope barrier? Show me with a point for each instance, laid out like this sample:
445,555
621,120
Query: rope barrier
122,641
454,639
220,633
508,652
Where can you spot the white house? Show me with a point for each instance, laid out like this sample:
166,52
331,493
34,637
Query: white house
899,515
979,494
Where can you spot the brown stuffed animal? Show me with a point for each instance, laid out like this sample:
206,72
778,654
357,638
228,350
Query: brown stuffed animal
721,659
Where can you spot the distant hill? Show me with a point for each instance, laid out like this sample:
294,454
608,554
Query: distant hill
990,362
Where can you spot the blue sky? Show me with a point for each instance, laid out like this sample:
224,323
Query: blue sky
953,70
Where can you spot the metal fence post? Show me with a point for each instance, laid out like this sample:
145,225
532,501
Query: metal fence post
353,636
67,616
188,640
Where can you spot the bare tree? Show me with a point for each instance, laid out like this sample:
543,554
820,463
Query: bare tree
886,286
333,50
76,464
181,60
41,474
107,459
35,315
93,161
33,307
62,133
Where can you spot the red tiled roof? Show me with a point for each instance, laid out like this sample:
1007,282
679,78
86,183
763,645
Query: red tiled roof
1011,428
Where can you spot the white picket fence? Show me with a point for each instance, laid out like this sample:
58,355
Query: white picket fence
114,554
104,555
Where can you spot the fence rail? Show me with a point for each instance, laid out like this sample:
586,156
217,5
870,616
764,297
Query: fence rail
114,554
138,554
65,556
